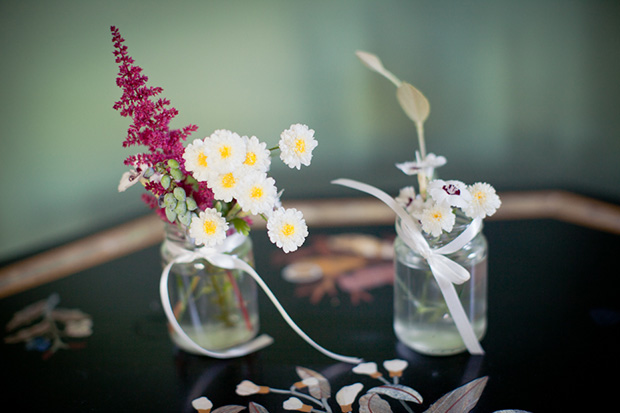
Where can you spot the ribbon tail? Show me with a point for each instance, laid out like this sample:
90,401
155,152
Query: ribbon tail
252,346
457,312
247,268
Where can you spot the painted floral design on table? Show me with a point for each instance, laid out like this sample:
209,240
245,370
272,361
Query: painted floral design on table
45,327
313,393
351,263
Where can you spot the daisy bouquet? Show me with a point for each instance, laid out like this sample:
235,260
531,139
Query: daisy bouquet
427,217
207,191
212,186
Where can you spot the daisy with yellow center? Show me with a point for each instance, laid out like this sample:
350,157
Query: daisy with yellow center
296,145
208,228
196,160
224,185
257,156
436,218
225,150
484,201
287,229
257,193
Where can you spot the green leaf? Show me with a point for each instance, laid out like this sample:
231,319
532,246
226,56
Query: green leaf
241,226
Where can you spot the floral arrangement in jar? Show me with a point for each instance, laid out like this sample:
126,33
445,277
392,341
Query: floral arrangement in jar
213,185
439,244
207,192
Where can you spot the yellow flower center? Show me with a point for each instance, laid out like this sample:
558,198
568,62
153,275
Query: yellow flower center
202,160
480,196
225,151
250,159
300,145
256,193
437,216
209,227
288,230
228,180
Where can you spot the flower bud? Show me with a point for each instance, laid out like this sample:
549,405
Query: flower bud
173,163
179,193
176,174
165,181
170,214
191,203
170,201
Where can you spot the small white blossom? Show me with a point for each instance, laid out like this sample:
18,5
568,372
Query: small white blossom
130,178
79,328
257,156
484,201
208,228
287,229
257,193
247,388
449,193
225,185
436,218
346,396
196,160
427,166
395,367
202,405
296,145
225,149
406,196
307,382
369,369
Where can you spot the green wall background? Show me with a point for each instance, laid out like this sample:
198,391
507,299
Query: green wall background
524,95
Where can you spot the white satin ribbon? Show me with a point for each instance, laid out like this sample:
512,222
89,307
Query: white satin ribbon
219,258
446,272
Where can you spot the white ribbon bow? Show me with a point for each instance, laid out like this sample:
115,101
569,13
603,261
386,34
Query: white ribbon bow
219,258
446,272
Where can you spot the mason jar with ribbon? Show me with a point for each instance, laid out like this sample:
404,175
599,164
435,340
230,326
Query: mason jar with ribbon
430,315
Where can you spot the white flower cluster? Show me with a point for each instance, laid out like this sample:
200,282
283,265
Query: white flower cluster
436,214
235,168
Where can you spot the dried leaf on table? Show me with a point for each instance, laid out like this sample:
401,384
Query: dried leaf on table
398,392
460,400
229,409
32,312
373,403
320,391
28,333
257,408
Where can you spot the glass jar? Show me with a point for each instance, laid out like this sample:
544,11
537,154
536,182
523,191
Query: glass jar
421,317
216,307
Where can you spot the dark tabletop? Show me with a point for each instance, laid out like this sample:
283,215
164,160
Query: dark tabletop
552,341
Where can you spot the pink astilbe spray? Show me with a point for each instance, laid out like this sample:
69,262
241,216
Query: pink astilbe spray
150,128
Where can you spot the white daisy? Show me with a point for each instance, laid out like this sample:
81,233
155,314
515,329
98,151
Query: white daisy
484,201
257,193
225,185
196,160
437,218
449,193
287,229
208,228
296,145
257,156
225,149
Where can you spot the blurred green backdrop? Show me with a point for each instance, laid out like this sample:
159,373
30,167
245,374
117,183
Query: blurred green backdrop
524,95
